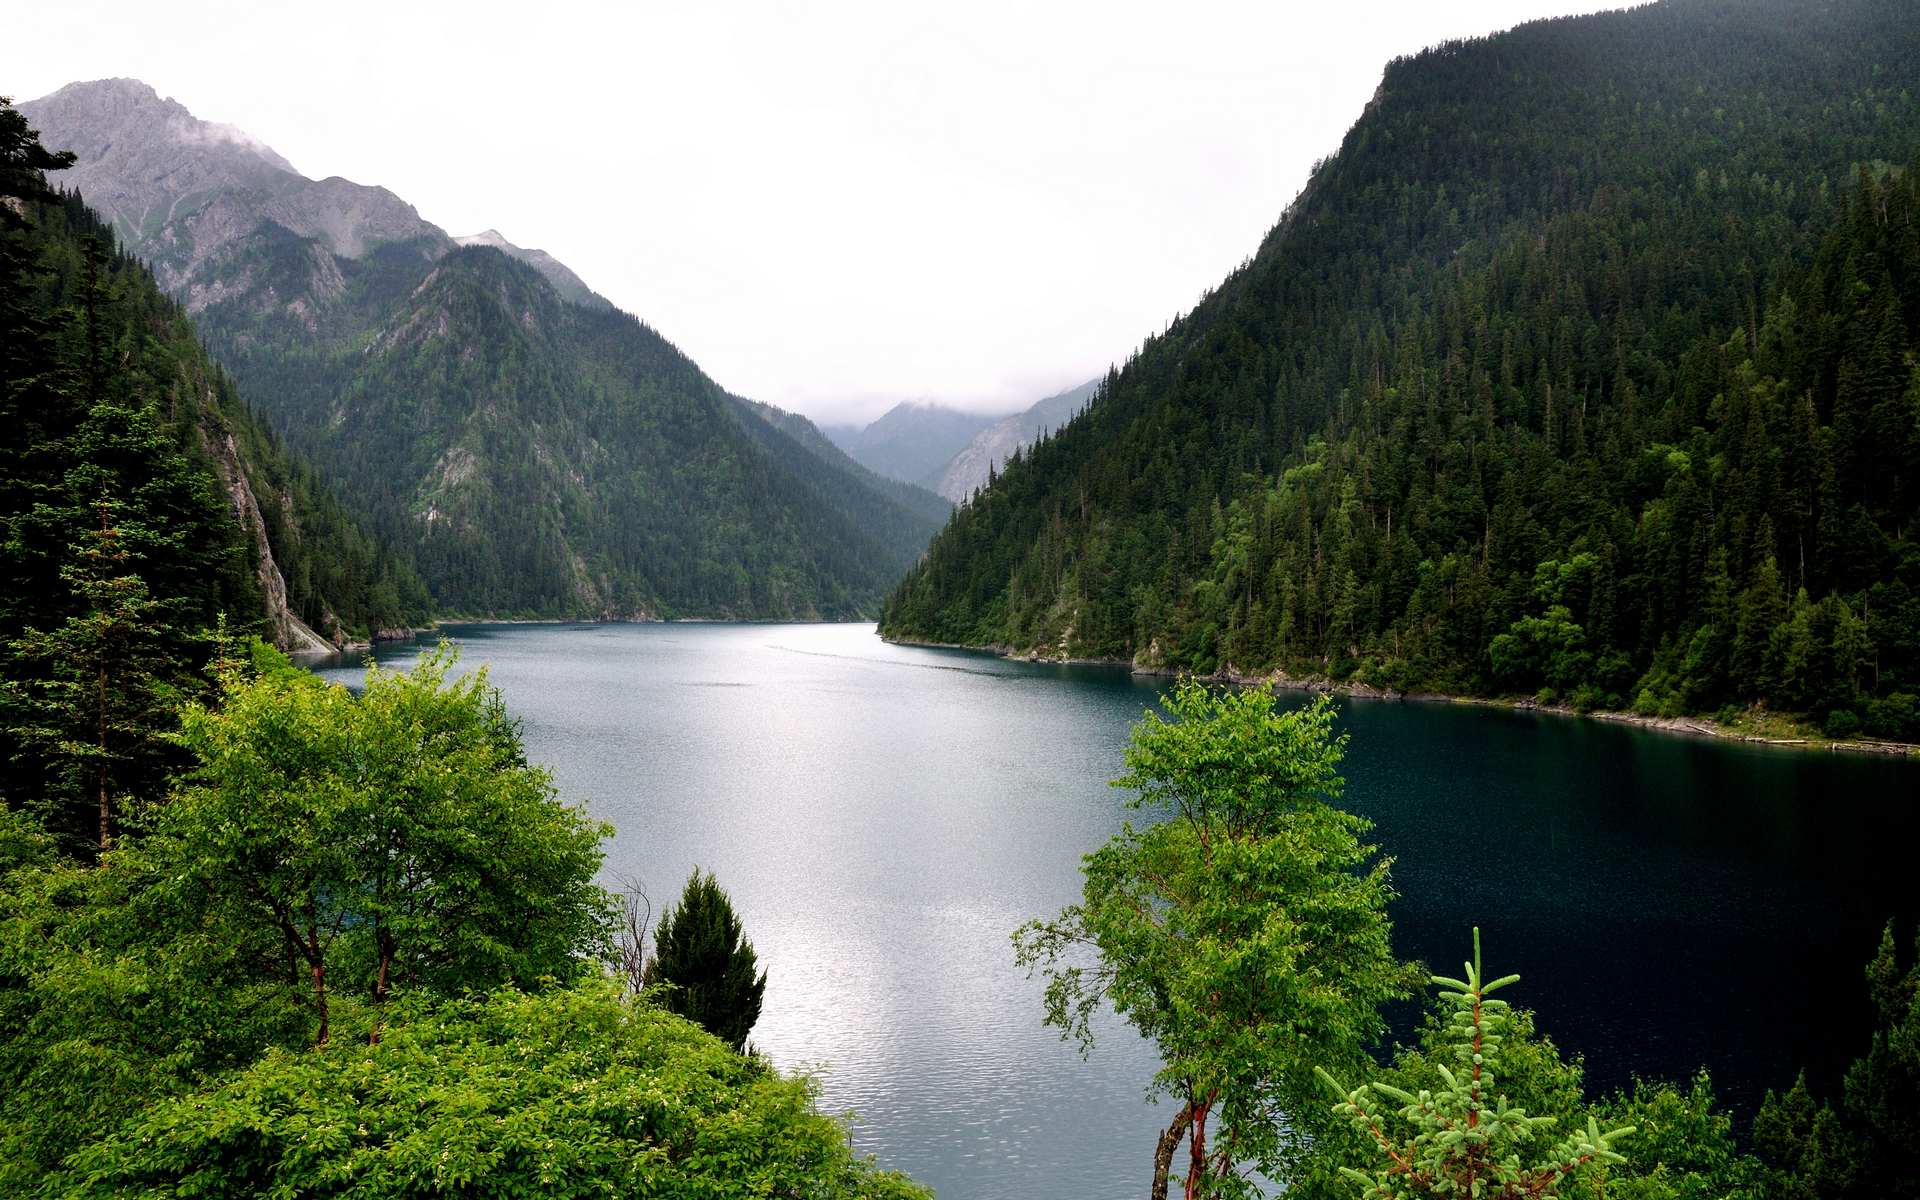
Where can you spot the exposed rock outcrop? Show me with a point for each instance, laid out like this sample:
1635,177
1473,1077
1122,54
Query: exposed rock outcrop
284,628
968,471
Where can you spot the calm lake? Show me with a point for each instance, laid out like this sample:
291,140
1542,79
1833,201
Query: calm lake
885,816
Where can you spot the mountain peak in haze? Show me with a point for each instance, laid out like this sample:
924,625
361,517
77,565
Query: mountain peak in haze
570,286
183,193
970,469
913,441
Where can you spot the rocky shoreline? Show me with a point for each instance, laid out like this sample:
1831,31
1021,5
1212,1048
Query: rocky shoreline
1692,726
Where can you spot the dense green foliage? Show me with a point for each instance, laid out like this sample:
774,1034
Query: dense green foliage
1584,366
324,851
566,1094
702,968
398,837
1238,934
358,952
538,458
140,502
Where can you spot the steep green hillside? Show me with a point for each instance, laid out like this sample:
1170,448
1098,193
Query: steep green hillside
534,458
530,450
87,325
1585,366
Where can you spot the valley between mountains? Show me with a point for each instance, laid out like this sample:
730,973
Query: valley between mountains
528,450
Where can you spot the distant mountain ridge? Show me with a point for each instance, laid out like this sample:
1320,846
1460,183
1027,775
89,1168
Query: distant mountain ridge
904,517
912,442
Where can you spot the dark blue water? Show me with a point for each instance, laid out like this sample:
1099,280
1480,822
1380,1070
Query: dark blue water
885,816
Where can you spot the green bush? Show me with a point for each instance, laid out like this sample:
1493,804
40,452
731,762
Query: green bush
571,1093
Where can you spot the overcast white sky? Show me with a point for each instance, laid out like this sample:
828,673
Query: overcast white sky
832,207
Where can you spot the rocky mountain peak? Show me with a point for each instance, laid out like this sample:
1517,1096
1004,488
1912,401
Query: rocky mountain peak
141,154
570,286
184,193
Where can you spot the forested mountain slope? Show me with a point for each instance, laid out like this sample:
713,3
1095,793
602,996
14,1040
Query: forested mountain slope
535,458
1585,366
530,456
89,329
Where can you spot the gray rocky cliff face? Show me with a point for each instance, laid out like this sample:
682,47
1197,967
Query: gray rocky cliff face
184,193
968,471
285,629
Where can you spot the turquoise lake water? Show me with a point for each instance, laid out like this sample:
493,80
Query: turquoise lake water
885,816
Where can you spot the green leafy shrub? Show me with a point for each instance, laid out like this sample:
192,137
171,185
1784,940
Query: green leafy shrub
570,1093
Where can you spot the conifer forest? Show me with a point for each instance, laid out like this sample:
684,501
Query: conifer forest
1584,368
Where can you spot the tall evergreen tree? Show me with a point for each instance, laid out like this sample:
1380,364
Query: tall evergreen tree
1871,1145
703,967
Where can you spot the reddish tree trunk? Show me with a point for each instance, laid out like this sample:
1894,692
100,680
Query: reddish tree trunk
1197,1149
318,964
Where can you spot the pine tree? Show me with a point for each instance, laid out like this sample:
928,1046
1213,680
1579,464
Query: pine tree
102,708
702,967
1871,1147
1466,1140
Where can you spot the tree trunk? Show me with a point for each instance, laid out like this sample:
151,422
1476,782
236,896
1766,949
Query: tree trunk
380,990
1163,1154
106,811
318,963
1197,1149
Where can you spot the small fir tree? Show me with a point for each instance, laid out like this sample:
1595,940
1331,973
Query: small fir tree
702,967
1466,1141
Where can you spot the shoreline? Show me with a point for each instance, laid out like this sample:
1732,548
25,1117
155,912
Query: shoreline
1689,726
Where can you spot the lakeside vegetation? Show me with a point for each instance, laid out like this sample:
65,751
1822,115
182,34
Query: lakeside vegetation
355,948
1583,371
1243,932
259,935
